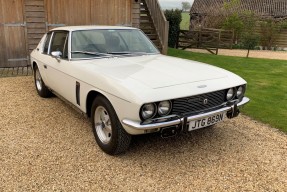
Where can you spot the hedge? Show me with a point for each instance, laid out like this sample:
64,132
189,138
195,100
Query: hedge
174,18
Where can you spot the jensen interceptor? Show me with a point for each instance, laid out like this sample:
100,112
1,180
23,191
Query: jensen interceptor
119,79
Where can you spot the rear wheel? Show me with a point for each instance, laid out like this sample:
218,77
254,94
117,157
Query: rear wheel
109,133
41,88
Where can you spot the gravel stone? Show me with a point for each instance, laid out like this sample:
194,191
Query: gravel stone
45,145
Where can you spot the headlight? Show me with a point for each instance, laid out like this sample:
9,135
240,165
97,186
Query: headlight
164,108
230,94
148,110
240,92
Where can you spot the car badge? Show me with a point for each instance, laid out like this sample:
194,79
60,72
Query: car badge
205,101
194,100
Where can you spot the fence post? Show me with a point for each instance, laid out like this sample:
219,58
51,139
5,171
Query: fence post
218,41
232,39
177,39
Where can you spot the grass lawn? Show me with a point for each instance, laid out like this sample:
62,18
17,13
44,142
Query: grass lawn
267,84
184,25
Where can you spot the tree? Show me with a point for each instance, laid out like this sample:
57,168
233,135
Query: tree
249,38
233,20
186,6
270,30
235,23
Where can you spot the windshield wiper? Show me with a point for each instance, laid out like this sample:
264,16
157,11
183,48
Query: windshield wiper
119,53
128,53
92,53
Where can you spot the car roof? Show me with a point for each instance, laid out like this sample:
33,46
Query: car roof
89,27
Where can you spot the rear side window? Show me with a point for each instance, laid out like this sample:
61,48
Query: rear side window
46,45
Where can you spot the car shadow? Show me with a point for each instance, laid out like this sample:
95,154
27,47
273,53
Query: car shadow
207,143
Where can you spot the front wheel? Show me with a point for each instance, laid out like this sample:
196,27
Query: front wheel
109,133
41,88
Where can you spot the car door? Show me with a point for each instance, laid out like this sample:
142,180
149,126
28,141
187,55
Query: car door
43,57
58,68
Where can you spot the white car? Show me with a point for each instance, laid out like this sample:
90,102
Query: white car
118,78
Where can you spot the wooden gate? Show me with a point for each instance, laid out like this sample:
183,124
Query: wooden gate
209,39
13,47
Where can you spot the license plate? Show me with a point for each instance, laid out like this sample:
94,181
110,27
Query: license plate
206,121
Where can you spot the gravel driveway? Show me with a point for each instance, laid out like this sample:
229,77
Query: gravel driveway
47,146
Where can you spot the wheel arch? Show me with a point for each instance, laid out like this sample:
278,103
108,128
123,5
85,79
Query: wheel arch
90,99
34,64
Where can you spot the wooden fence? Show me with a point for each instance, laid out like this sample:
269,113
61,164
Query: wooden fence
209,39
281,41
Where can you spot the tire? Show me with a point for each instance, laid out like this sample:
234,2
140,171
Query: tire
108,131
41,88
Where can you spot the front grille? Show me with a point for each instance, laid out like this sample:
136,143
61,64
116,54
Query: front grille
196,103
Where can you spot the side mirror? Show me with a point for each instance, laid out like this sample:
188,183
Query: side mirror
56,54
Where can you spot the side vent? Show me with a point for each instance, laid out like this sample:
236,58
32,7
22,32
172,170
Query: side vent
78,92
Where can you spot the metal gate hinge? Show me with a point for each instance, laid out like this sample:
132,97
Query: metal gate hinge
14,24
18,59
55,25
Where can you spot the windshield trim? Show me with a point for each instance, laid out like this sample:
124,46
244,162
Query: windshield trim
115,55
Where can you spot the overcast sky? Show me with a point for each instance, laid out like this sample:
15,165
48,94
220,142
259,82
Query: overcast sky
172,4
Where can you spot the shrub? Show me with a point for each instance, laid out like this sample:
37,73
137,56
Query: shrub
249,38
174,18
270,30
249,41
283,24
233,18
235,23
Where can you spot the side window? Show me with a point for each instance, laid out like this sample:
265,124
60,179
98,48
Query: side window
46,45
60,43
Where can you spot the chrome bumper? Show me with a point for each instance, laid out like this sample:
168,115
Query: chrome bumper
180,120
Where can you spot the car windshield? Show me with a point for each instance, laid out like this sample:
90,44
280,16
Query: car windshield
110,42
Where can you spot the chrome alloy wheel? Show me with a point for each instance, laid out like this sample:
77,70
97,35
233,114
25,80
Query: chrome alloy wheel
38,80
103,125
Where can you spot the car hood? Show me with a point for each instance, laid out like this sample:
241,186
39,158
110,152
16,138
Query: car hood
158,71
151,78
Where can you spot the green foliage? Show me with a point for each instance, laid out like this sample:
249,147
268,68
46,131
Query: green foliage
249,41
266,84
270,30
242,46
233,22
232,17
243,23
283,25
174,18
249,38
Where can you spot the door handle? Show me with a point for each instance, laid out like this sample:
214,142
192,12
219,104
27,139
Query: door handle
45,66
